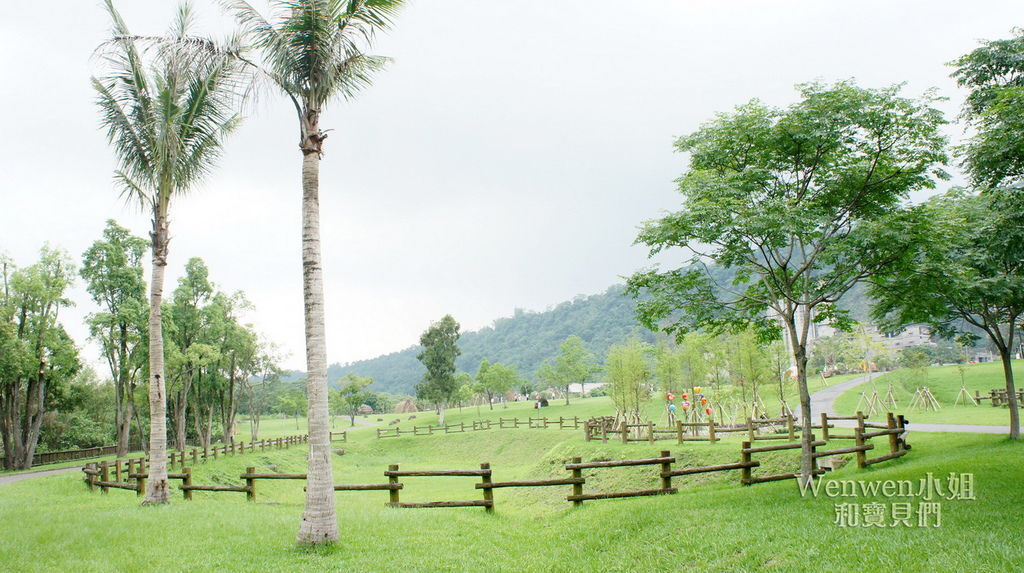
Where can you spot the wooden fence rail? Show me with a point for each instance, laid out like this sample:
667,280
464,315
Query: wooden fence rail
98,475
562,423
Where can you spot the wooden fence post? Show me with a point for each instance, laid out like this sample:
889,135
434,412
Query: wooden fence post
789,427
393,481
104,475
624,428
666,471
604,432
890,421
745,458
577,487
679,431
650,432
711,431
750,430
814,458
586,432
187,480
824,426
90,478
250,484
858,436
140,484
488,492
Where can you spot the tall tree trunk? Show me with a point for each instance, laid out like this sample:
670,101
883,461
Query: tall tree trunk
319,520
124,427
157,483
1005,354
180,418
123,394
799,352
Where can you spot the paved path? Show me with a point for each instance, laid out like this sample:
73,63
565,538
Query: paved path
824,401
12,478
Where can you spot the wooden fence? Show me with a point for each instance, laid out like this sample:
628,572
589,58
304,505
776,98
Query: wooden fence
862,432
607,427
999,397
116,474
562,423
46,458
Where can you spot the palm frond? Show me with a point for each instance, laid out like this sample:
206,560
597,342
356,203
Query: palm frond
168,109
315,49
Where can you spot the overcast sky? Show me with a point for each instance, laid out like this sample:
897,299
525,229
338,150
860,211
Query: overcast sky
504,160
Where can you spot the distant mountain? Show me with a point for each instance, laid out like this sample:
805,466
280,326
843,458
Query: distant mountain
527,339
524,340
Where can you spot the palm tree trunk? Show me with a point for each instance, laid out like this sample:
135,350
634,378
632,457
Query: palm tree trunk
319,522
157,483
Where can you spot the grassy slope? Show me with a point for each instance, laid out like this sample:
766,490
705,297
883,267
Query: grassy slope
944,382
712,522
583,408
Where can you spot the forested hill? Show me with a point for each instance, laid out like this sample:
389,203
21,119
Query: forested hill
527,339
524,340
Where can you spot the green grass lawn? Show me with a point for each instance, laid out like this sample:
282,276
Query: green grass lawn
713,523
944,382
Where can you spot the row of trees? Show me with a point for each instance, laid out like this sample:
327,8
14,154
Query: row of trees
802,203
212,357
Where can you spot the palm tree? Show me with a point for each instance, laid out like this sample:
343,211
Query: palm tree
313,53
166,117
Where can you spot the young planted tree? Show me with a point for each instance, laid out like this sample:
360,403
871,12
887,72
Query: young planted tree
313,52
968,267
573,365
440,349
495,379
628,374
798,204
166,118
352,395
112,269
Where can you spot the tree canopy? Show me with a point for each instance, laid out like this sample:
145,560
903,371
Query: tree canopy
798,205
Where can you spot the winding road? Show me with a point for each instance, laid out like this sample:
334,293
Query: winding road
824,401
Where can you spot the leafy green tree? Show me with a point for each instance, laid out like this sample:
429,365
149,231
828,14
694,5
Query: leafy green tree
293,402
313,53
36,354
495,379
112,269
969,267
258,391
796,206
628,374
352,395
747,365
440,349
668,367
994,73
192,349
468,389
166,120
573,365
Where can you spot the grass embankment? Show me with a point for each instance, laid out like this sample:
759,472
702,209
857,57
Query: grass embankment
712,523
944,382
